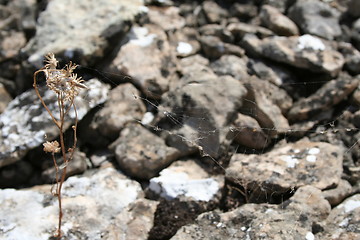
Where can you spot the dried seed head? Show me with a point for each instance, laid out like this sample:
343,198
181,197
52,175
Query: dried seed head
51,147
62,81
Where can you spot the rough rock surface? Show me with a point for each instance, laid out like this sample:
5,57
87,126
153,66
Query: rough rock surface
186,179
147,47
89,203
291,166
120,108
262,94
317,18
259,221
62,31
141,153
25,124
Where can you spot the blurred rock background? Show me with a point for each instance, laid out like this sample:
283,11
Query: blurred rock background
204,119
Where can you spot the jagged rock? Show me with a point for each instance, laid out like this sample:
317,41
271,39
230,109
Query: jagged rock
244,11
344,220
148,59
122,107
102,20
337,195
142,154
290,166
273,19
305,52
260,104
203,106
231,65
185,42
213,12
247,132
323,99
167,18
262,221
239,30
186,179
277,75
214,48
107,192
316,18
216,30
25,124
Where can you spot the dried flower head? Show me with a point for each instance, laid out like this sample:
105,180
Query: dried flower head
51,147
62,81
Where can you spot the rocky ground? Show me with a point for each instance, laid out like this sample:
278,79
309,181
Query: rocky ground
203,119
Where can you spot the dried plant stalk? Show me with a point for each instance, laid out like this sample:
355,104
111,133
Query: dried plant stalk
66,85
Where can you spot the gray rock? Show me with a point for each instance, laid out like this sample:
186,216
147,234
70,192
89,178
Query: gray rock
79,164
231,65
214,48
203,106
306,52
10,44
187,179
91,204
273,19
352,57
344,220
239,30
291,166
354,8
185,41
167,18
25,124
260,104
244,11
337,195
261,221
142,154
323,99
123,106
316,18
247,132
84,30
213,12
192,64
148,59
216,30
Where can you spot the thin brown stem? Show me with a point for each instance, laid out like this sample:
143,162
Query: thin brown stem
41,99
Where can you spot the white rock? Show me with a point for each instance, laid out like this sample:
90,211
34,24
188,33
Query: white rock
310,42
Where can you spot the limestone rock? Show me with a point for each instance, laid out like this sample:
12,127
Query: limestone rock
247,132
25,124
122,107
261,221
343,221
323,99
305,52
148,60
316,18
90,203
337,195
167,18
61,28
141,153
186,179
291,166
273,19
207,110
